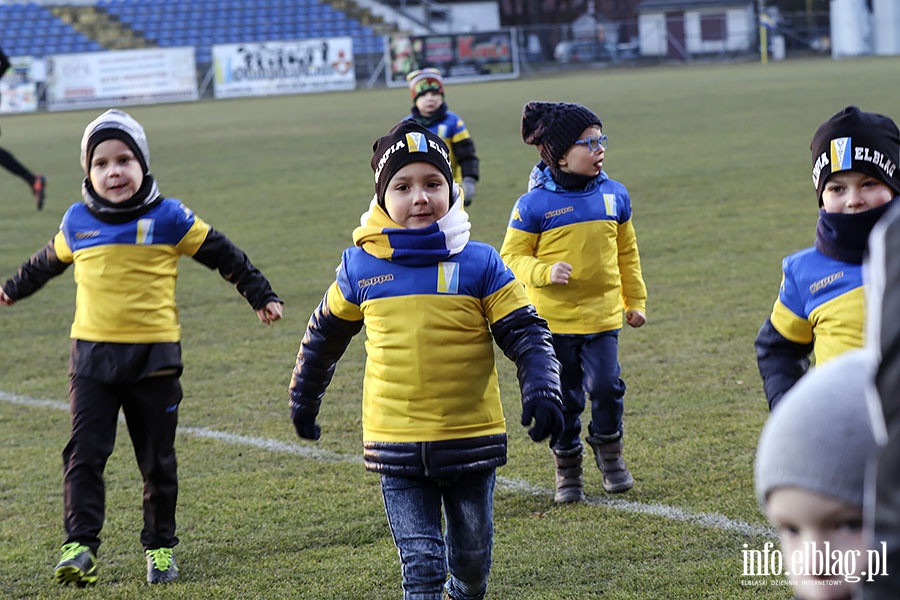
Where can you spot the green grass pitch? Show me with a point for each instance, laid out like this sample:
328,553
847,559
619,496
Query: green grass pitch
716,157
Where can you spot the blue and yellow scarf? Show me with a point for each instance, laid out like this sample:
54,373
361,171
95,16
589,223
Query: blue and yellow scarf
381,237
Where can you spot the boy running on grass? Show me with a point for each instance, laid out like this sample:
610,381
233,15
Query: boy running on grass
433,302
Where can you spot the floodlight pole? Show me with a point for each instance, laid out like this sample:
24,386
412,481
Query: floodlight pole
763,43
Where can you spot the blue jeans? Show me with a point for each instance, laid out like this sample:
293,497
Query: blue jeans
590,370
414,508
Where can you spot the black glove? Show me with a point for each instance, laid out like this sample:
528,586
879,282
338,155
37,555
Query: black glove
305,422
547,416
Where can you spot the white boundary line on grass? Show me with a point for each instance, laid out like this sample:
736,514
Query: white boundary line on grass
710,520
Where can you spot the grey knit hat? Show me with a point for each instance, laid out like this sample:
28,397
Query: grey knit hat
554,126
115,124
854,140
818,438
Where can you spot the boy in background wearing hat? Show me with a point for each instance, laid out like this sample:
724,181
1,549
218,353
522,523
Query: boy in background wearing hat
125,240
820,305
810,468
432,301
571,242
431,112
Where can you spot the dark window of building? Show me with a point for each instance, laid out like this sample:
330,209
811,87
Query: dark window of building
712,27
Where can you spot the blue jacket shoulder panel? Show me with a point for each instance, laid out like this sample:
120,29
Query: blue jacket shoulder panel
812,279
543,209
166,223
477,271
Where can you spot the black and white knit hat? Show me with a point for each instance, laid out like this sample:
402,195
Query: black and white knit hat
854,140
405,143
819,438
115,124
554,126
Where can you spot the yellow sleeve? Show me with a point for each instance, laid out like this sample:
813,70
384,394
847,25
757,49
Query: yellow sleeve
63,252
340,306
507,299
791,326
194,238
518,253
634,290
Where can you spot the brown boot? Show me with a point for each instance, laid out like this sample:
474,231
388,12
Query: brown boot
608,454
569,480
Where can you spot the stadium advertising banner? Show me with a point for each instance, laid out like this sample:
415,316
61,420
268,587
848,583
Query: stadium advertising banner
18,90
103,79
286,67
460,56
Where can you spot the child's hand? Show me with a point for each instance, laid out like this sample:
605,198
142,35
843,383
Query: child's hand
5,300
547,416
559,273
305,423
270,313
635,318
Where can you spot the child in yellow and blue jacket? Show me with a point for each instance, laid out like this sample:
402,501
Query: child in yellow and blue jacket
125,239
430,110
571,241
433,303
820,309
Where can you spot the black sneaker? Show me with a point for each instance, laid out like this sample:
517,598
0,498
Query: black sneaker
77,565
39,187
161,567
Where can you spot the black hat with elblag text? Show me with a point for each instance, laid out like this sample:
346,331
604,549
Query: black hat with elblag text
854,140
405,143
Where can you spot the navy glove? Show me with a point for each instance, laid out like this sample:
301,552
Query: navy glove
547,416
305,422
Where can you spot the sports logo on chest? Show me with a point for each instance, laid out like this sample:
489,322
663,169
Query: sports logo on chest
378,279
448,278
821,284
144,232
559,211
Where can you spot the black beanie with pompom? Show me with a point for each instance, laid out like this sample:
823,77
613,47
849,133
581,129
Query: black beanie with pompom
554,126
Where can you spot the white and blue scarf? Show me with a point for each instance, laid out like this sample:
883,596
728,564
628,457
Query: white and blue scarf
381,237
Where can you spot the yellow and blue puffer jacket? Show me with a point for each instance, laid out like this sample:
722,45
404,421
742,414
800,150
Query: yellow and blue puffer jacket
591,229
433,303
820,309
126,267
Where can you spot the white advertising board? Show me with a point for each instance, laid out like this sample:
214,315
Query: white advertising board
103,79
18,89
283,67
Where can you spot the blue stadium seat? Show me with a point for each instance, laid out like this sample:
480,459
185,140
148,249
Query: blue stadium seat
199,23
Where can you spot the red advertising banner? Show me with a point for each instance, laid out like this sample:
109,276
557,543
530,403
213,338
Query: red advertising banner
460,56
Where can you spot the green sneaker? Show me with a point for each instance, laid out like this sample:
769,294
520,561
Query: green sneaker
161,567
77,565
